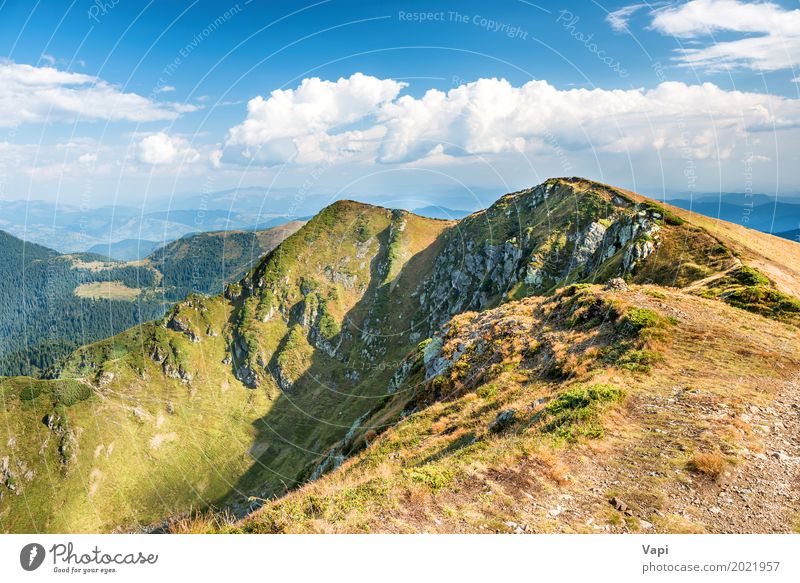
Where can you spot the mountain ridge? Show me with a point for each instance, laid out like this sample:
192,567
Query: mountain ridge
318,351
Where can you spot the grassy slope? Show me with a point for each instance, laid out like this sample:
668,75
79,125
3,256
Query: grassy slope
441,468
667,448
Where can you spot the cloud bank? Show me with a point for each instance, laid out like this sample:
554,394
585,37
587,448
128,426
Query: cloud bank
30,94
317,121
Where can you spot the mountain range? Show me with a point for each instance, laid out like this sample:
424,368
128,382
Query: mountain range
574,358
756,212
129,233
107,230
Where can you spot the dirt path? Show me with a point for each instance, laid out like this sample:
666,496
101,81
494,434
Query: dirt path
719,275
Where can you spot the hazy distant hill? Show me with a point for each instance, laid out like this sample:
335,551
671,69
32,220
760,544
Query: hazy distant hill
758,211
70,229
125,250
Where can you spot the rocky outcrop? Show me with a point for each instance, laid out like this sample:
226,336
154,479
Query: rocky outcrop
473,273
468,280
178,324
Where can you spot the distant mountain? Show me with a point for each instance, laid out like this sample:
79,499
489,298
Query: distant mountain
379,371
793,235
50,303
125,250
441,212
756,212
44,312
739,198
69,229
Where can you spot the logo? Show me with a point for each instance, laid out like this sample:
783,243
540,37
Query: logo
31,556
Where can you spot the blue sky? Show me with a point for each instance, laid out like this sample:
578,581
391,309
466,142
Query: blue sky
123,101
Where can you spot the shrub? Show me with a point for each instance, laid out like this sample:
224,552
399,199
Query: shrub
69,391
487,391
746,275
639,360
30,392
637,319
328,326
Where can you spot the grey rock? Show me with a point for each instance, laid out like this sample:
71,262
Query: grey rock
502,421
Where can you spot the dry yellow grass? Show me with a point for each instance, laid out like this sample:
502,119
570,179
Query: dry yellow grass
711,464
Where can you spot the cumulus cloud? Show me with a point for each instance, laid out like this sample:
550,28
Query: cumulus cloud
491,116
161,148
310,122
31,94
770,34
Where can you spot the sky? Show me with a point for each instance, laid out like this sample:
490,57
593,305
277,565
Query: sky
134,102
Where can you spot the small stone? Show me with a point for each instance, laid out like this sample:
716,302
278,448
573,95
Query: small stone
780,456
645,525
503,420
617,284
715,510
618,504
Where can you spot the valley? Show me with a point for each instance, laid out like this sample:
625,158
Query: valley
52,303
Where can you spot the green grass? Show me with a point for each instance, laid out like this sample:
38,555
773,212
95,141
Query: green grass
639,360
748,289
638,319
576,412
432,476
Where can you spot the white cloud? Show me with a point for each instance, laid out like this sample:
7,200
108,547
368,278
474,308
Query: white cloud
618,19
165,89
311,119
770,34
161,148
491,116
31,94
490,121
87,158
